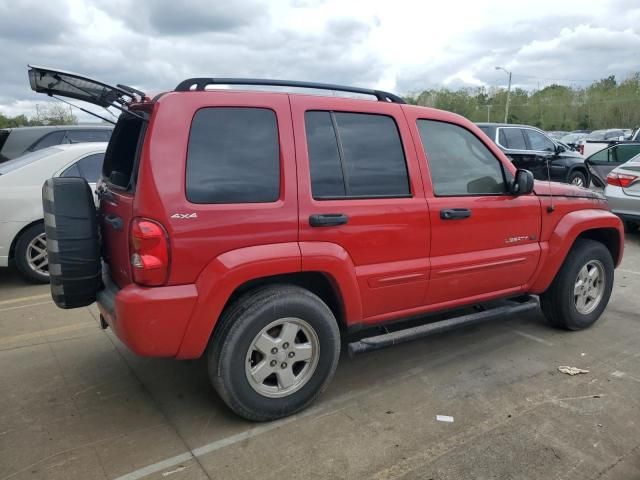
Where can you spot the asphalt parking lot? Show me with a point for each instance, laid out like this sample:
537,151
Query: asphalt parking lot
75,404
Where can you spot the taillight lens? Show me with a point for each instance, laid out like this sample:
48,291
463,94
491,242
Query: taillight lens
149,248
581,149
620,179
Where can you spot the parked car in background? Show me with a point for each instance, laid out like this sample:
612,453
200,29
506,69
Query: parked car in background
604,161
530,148
623,192
259,228
22,238
572,139
599,139
557,134
628,133
15,142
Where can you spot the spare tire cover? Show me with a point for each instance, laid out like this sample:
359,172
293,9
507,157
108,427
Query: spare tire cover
71,227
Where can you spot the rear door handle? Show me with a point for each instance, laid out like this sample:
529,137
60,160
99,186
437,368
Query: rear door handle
114,221
455,213
328,219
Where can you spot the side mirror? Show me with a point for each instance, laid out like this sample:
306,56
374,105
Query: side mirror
523,183
560,149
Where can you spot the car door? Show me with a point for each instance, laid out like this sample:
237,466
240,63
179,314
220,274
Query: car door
602,162
514,145
361,197
543,151
484,241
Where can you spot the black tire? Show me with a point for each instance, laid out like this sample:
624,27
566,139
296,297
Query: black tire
22,255
233,337
72,241
578,175
558,302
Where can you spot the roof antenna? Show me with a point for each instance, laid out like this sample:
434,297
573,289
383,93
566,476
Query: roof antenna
551,207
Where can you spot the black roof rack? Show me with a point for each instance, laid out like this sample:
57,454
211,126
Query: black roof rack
199,84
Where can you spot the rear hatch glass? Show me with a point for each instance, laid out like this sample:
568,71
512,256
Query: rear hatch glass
116,193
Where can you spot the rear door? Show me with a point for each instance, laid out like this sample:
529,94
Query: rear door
360,193
484,241
601,163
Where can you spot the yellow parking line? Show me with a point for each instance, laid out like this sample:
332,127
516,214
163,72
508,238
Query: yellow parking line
43,333
24,299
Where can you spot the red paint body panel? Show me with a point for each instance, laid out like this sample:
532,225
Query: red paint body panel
152,321
394,258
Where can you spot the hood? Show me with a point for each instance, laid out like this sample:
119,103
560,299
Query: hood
544,188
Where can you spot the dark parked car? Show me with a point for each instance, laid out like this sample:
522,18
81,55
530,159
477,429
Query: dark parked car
530,148
18,141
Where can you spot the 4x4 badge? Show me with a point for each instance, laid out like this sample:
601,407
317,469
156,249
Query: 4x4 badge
184,215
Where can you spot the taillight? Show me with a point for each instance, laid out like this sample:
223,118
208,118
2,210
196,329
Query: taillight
581,149
620,179
149,248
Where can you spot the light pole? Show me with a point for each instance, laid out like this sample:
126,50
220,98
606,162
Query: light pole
506,108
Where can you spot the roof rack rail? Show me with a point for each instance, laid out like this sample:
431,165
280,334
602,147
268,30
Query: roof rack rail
199,84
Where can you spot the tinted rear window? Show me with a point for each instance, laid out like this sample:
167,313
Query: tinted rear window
234,156
364,158
93,135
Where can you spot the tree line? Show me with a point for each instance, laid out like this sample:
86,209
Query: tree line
45,114
606,103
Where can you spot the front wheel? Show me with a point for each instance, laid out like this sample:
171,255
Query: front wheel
274,352
581,289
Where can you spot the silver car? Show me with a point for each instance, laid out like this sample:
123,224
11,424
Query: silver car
623,192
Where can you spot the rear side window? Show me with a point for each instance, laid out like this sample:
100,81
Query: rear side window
87,168
234,156
355,155
49,140
94,135
514,138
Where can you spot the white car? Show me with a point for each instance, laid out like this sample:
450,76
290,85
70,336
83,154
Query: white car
22,237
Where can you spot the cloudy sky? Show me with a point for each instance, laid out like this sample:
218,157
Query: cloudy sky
401,45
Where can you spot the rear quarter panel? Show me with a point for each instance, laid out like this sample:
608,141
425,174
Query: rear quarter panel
218,228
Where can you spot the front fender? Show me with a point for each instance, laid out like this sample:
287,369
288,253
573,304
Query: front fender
567,230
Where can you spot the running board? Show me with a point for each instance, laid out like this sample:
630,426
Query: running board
407,335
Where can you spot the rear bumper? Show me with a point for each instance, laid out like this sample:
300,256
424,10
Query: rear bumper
150,321
625,206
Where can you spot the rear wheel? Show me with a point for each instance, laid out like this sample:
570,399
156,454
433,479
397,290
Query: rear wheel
581,290
274,352
31,256
578,178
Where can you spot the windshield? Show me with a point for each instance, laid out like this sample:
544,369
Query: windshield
27,159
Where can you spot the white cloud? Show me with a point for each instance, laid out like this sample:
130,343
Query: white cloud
407,45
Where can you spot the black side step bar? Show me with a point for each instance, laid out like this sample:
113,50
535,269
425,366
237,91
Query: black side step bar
407,335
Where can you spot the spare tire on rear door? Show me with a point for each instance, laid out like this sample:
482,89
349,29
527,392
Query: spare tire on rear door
71,227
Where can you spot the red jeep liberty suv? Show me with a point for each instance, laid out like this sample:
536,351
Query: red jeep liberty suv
259,228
